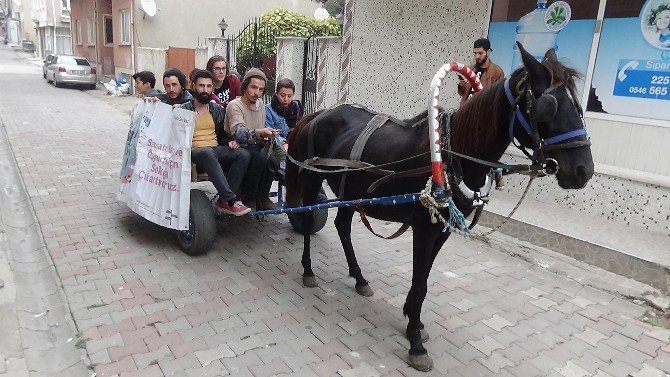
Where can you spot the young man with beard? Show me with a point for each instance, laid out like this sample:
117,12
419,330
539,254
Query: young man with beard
245,121
174,82
211,148
487,72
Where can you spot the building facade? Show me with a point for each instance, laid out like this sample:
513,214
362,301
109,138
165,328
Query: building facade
121,27
390,50
52,24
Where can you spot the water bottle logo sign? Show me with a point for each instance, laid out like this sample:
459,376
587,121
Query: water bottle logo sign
557,16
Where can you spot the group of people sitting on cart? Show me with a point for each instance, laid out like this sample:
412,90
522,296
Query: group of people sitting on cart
238,140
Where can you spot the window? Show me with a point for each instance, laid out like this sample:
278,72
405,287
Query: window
109,29
65,8
69,60
90,27
78,31
125,26
63,41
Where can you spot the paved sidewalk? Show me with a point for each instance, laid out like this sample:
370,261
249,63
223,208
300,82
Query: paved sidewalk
146,309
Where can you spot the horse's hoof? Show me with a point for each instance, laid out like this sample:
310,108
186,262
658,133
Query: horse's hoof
365,290
424,336
309,281
421,362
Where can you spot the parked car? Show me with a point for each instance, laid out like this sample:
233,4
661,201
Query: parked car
68,69
46,61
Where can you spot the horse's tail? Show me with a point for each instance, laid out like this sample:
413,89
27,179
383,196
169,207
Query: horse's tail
297,148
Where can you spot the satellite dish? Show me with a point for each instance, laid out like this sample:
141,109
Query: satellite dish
149,7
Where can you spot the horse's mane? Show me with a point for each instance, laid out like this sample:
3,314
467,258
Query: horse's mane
422,115
560,74
476,123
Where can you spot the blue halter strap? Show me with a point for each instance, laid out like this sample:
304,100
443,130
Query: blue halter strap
526,126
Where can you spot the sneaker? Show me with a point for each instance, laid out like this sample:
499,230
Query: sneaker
235,209
265,204
249,202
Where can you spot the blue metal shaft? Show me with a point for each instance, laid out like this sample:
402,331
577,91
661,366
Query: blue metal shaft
385,201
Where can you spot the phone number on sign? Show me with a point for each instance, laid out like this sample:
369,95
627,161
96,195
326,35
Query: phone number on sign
652,90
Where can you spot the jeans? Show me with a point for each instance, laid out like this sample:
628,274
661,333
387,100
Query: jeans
259,177
214,160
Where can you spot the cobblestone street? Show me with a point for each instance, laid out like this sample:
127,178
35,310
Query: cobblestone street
141,307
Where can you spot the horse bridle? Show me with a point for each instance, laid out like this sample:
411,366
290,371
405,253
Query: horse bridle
540,145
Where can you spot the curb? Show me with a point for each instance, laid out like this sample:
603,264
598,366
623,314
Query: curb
47,331
625,264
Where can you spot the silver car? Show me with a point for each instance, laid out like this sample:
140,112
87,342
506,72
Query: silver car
68,69
47,61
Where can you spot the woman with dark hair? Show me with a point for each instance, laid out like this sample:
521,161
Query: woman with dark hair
281,114
226,85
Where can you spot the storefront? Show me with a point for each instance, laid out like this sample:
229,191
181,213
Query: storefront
621,47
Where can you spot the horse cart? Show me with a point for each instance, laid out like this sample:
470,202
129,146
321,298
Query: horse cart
201,233
391,170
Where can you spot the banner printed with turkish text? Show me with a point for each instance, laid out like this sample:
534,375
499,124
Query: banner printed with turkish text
156,171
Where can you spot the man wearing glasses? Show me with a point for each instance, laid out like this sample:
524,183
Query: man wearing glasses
226,85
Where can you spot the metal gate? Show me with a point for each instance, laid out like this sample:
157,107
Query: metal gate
255,47
309,73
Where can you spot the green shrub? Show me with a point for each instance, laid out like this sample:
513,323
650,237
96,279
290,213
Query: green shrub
279,22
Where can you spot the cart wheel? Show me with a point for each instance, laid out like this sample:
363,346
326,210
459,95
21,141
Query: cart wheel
199,237
320,217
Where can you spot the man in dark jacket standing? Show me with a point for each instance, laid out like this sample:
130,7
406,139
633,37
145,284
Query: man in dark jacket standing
211,148
487,72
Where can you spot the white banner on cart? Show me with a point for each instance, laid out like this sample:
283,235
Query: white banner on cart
156,170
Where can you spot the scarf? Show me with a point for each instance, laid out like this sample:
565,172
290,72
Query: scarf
290,113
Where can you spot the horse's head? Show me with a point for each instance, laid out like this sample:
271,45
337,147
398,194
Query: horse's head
552,124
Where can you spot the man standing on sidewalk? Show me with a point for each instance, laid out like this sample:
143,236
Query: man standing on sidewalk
487,72
211,149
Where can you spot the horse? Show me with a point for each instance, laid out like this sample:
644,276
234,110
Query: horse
535,107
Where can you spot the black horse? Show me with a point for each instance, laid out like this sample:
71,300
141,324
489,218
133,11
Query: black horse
543,94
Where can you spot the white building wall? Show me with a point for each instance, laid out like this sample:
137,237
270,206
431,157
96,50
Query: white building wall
191,24
328,73
396,46
290,59
154,60
631,146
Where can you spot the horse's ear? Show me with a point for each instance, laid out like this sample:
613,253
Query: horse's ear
551,55
538,73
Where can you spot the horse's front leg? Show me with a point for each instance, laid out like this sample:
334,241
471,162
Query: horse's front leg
425,247
310,191
308,277
343,226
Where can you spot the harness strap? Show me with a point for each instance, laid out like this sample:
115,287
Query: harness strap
517,114
397,233
399,122
565,136
417,172
375,123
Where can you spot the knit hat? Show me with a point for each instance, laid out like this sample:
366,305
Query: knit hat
176,73
254,72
